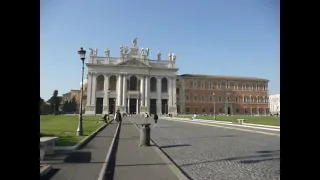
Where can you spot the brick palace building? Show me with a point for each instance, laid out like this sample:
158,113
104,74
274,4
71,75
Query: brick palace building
202,94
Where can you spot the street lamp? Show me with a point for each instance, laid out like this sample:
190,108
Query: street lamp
214,107
82,54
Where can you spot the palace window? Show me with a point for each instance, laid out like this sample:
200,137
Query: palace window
202,98
210,85
227,85
219,99
236,87
219,85
195,84
203,85
195,98
244,87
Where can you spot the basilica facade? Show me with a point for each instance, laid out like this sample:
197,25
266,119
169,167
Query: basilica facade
132,83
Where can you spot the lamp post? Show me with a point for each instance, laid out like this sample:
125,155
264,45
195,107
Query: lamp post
214,107
82,54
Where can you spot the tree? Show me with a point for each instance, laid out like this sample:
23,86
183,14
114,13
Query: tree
70,105
44,108
55,102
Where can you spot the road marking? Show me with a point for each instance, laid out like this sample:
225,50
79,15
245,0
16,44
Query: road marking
225,127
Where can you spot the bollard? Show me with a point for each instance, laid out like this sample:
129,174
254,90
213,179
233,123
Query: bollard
145,134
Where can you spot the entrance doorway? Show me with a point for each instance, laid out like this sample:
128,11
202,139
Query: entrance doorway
153,106
99,105
112,105
133,106
164,106
229,110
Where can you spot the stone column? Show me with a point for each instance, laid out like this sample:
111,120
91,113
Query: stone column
142,89
251,111
146,92
93,91
159,109
118,91
169,93
174,95
128,104
124,90
106,95
137,108
89,86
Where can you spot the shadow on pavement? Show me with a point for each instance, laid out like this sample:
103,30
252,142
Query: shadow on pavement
258,160
50,174
176,145
244,159
78,157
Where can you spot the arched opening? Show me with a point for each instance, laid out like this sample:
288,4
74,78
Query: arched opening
164,85
237,111
100,83
133,83
229,111
113,83
153,84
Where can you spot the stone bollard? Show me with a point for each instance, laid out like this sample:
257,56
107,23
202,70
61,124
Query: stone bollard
145,134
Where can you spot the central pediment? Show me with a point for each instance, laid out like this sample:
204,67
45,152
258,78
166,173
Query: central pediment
133,62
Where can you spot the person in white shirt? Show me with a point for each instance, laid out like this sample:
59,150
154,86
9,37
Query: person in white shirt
146,116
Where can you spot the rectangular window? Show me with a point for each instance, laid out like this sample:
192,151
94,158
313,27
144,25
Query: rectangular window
203,109
195,85
210,85
219,85
236,99
210,97
244,87
219,99
203,85
236,87
202,98
187,98
195,98
187,109
228,85
187,84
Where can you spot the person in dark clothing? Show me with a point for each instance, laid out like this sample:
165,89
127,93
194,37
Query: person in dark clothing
118,116
155,117
105,118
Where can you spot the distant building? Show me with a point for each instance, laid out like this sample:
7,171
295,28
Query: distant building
208,94
274,104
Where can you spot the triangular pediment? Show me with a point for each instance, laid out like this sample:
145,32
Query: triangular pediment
133,62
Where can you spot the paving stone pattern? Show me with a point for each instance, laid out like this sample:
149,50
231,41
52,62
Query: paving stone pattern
205,152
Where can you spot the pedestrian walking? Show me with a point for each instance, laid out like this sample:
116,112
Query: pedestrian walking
155,118
146,116
118,117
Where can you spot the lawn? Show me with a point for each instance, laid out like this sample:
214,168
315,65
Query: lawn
65,127
265,120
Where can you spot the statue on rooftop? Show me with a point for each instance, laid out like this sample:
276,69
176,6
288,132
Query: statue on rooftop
159,56
135,42
107,52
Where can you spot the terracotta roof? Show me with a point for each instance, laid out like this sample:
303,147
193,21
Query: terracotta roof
224,77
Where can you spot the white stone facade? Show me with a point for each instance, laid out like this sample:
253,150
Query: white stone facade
132,83
274,103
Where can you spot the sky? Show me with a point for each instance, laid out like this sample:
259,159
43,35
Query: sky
216,37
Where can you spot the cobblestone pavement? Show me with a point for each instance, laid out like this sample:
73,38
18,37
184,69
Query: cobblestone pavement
206,152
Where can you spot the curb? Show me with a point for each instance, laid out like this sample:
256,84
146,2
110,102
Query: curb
83,141
103,170
166,158
45,170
